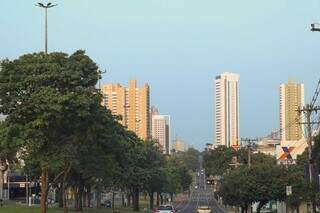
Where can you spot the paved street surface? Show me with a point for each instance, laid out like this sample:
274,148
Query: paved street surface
200,195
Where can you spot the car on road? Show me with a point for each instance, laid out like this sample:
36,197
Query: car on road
203,209
165,209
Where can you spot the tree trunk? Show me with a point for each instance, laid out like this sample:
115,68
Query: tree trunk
122,199
314,206
158,199
261,205
80,198
136,200
236,210
60,195
84,197
1,186
171,197
161,199
244,209
112,204
151,200
64,194
98,198
298,208
129,199
76,199
89,196
44,189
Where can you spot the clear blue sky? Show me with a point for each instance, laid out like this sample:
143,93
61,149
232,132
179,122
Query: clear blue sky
178,47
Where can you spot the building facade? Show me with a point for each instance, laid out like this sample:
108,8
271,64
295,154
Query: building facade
131,104
227,109
161,132
291,99
268,146
293,142
179,146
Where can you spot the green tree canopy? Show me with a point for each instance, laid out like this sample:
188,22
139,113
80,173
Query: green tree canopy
48,99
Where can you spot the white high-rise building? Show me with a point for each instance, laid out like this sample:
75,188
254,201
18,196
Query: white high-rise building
161,131
227,109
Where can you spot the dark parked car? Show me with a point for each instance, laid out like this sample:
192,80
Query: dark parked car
107,204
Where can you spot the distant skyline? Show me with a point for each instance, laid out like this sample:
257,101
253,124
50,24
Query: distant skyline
178,47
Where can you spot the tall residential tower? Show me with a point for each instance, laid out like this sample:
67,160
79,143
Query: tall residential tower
291,99
161,131
227,109
132,104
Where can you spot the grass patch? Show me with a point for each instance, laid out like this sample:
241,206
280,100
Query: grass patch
16,208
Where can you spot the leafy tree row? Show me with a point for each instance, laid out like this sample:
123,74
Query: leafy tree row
264,181
56,125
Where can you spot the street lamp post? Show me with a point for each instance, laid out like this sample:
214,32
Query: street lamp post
315,27
46,7
250,143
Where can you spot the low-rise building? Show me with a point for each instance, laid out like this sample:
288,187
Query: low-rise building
288,151
268,146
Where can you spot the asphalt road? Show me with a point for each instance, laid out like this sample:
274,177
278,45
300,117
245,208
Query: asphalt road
200,195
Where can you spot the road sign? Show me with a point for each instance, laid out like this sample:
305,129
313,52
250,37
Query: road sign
286,153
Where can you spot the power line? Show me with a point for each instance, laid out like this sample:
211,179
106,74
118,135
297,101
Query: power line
250,142
312,103
315,95
287,126
308,110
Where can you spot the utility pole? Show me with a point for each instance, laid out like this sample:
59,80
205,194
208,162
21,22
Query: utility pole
307,110
249,143
44,170
101,73
8,182
249,156
235,162
27,191
46,7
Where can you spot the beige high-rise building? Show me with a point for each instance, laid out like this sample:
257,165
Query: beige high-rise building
227,109
291,99
179,145
132,104
114,98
